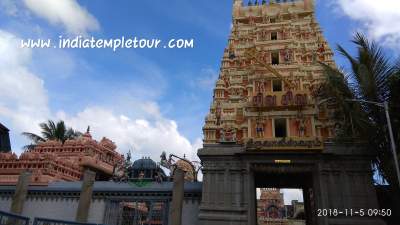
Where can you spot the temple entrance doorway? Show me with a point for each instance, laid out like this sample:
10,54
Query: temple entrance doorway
337,178
271,208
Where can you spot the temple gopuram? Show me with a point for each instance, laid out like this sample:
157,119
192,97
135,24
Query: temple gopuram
268,127
271,209
53,161
269,78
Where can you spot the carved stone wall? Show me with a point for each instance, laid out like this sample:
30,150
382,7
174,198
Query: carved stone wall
339,178
53,161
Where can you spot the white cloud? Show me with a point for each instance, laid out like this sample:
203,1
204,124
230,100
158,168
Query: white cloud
23,98
24,102
75,18
144,137
380,18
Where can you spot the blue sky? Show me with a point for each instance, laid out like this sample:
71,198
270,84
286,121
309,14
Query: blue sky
145,100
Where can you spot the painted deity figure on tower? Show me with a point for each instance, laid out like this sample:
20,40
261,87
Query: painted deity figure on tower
301,124
260,129
287,55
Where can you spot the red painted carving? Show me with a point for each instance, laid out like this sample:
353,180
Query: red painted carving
53,161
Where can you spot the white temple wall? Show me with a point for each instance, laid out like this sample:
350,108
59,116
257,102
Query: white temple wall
97,210
60,208
52,208
190,212
5,203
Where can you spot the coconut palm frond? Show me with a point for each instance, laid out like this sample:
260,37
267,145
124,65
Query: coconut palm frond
72,134
372,77
29,147
33,137
52,131
48,130
60,132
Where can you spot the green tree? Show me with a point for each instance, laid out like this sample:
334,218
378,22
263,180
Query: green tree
372,77
51,131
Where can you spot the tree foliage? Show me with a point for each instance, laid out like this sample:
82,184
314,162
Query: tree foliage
373,77
51,131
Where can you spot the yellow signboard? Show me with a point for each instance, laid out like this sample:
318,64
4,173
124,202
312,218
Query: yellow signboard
285,145
283,161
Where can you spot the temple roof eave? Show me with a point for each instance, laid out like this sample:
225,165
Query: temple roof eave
107,188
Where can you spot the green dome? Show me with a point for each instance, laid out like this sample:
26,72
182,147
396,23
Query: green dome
144,164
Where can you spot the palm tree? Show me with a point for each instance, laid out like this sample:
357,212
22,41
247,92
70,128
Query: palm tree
394,85
372,78
52,131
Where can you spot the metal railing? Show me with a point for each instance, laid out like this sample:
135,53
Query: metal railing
12,219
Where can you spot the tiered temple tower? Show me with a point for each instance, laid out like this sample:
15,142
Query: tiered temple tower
52,161
270,75
267,128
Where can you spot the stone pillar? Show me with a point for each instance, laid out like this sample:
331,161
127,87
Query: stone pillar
86,196
21,192
251,198
319,193
177,197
